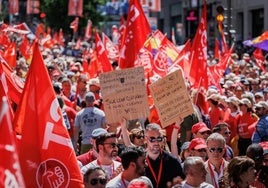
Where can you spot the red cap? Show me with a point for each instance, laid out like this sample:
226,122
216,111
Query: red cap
197,143
200,127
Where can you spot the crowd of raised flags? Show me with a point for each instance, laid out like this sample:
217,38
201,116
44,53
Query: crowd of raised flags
34,144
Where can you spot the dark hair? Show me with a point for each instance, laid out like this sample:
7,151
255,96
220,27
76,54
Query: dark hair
101,139
237,166
219,127
131,154
214,102
91,170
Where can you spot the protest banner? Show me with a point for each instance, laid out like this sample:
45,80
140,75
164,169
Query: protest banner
171,98
124,94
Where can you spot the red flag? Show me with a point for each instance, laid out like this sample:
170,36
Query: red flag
102,54
88,32
198,58
137,31
145,59
259,58
122,30
46,153
14,83
217,49
75,8
25,48
74,24
110,47
94,68
11,174
10,55
13,6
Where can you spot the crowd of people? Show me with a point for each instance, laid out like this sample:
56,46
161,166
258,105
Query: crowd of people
224,143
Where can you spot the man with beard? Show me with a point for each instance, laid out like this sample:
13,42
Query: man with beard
261,131
133,162
107,149
163,168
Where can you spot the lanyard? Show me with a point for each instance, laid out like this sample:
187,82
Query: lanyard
123,180
157,180
216,184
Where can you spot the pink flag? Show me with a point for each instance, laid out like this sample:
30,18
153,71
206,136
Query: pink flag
11,175
88,31
137,31
110,47
75,8
46,153
13,6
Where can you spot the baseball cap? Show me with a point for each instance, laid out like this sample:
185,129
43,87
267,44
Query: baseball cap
197,143
185,146
259,94
90,97
200,127
234,100
99,131
262,104
94,81
246,102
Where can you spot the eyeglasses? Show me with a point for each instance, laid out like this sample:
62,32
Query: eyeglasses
95,181
257,109
139,137
113,145
218,150
206,132
227,132
154,139
201,150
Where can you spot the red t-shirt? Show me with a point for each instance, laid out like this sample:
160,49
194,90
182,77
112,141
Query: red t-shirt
216,116
245,125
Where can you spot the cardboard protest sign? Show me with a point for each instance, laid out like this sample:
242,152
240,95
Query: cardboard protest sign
124,94
171,98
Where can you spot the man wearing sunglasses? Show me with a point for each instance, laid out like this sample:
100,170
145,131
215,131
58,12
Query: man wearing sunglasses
133,162
162,167
107,149
198,148
95,177
261,132
216,164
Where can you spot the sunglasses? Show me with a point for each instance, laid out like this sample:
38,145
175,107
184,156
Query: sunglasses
218,150
139,137
206,132
95,181
257,109
113,145
227,132
201,150
154,139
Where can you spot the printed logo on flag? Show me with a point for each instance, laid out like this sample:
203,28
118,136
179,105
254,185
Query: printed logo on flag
52,173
